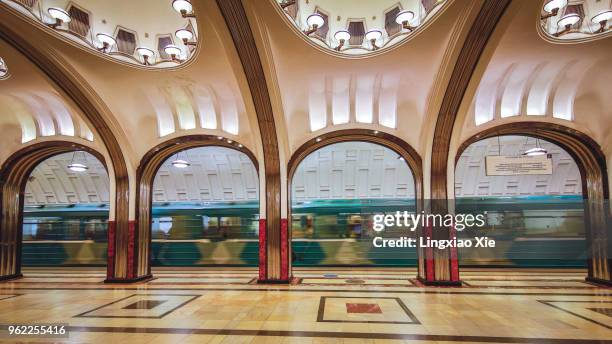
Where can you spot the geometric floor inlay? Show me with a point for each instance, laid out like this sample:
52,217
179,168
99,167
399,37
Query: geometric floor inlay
597,312
359,309
604,311
154,306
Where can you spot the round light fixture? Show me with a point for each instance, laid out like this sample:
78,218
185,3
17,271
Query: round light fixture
183,7
179,163
602,17
59,15
342,35
554,6
404,18
76,167
537,151
173,51
3,68
146,53
106,40
315,20
373,35
184,35
401,158
568,20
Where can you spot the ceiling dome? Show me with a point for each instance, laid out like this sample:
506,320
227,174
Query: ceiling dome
570,21
358,27
160,34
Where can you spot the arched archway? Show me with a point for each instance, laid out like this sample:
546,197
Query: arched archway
394,144
13,178
147,170
592,165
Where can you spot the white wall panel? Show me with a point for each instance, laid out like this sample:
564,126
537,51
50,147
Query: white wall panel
352,170
215,174
471,181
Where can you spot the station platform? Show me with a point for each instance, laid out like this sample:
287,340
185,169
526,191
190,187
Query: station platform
324,305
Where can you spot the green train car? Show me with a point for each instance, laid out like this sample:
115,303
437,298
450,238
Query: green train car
545,231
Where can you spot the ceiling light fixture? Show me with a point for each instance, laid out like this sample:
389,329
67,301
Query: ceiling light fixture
107,42
552,8
180,163
404,18
314,22
401,158
287,3
318,139
3,68
147,55
536,151
185,36
602,19
219,137
566,22
342,36
59,15
75,166
173,51
372,36
183,7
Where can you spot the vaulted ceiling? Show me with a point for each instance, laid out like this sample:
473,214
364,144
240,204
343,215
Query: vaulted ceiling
520,76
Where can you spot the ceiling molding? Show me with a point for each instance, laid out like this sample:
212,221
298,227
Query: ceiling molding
239,27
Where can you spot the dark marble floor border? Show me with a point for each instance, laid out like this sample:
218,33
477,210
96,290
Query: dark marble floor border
323,299
346,335
84,314
550,304
9,296
448,291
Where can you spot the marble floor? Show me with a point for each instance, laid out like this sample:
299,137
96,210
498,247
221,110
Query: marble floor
325,305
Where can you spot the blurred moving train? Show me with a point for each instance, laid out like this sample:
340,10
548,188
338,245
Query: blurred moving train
530,231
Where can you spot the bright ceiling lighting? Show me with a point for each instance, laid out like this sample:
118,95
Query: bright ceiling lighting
77,167
537,151
315,20
173,51
146,53
183,7
342,35
107,41
568,20
602,17
373,35
404,18
553,6
184,34
179,163
59,15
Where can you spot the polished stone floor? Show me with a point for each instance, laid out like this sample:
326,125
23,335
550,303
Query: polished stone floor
325,305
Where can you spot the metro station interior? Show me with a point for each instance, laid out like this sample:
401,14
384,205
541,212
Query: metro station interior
211,171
